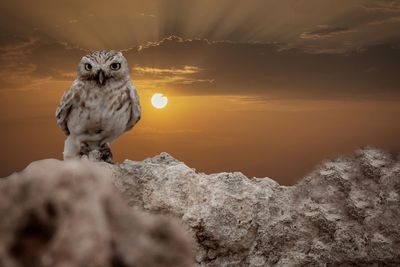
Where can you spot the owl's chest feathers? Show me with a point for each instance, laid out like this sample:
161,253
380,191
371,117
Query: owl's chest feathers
101,112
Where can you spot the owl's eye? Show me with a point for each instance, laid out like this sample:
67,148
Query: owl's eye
115,66
88,66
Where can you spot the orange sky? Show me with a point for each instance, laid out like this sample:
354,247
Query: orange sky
266,95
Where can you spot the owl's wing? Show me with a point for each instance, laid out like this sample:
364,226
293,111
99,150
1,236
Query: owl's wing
64,109
136,110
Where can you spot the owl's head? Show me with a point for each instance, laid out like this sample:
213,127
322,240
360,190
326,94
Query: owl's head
103,67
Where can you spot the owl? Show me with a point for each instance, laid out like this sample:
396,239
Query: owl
101,104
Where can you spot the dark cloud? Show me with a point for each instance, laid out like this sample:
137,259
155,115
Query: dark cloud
293,48
324,31
93,25
24,60
203,67
383,5
394,19
255,68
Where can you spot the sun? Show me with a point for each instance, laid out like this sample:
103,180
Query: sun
159,101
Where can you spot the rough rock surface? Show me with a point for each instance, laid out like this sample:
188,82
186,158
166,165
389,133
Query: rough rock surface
345,213
69,214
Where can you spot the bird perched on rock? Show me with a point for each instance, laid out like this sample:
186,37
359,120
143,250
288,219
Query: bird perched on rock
101,104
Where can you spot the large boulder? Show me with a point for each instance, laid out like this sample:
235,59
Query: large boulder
58,213
345,213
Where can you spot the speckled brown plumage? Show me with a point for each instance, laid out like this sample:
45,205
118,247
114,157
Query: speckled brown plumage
101,104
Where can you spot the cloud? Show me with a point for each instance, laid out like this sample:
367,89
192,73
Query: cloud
267,69
203,67
144,23
169,39
28,61
192,81
169,71
383,6
15,71
395,19
324,31
151,77
147,15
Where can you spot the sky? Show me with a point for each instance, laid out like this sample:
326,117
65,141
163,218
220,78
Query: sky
265,87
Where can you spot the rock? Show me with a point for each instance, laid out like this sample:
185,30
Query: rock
345,213
58,213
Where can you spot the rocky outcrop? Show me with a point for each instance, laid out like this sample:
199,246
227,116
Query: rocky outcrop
345,213
58,213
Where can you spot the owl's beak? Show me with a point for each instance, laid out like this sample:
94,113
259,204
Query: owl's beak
101,77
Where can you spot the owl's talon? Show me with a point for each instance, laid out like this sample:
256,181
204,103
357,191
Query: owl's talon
105,154
107,159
